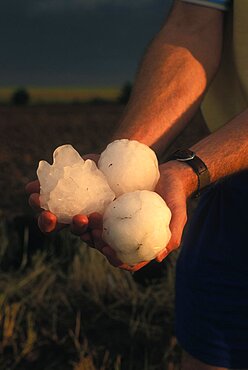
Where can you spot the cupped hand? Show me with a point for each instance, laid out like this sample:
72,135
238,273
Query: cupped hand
175,185
93,237
47,221
177,182
89,228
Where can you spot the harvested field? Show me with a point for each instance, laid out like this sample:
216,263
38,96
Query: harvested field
32,133
28,134
62,306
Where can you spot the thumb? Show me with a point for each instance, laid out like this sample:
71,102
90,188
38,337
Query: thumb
177,224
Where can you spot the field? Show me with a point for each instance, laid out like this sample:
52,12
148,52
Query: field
52,95
62,306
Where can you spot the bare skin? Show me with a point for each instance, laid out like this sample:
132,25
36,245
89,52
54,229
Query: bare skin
172,79
173,76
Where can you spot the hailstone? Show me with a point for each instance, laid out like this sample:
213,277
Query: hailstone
136,226
72,185
128,166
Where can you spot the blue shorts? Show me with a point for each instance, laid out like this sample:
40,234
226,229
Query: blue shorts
212,277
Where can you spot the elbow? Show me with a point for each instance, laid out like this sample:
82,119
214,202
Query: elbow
192,71
199,70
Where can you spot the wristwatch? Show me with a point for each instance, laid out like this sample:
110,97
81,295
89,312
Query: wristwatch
190,158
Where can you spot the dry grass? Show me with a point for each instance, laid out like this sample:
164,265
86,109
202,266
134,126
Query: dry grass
29,134
62,306
69,309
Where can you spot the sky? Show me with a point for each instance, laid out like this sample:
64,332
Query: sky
75,42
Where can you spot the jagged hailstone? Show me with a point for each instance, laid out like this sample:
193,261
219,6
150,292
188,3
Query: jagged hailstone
128,166
136,226
72,186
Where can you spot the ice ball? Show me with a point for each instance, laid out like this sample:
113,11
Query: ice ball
136,226
128,166
72,185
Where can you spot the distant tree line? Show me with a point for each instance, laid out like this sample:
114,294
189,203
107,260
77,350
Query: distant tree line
21,96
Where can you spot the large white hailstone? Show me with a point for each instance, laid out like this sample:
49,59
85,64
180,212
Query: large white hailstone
72,186
136,226
128,166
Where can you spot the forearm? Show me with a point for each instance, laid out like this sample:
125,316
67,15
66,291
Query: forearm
225,152
172,78
166,95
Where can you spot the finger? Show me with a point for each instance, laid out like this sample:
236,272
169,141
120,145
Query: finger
99,243
49,225
34,201
173,244
33,187
177,224
139,266
95,221
110,254
134,268
47,222
79,224
161,256
86,238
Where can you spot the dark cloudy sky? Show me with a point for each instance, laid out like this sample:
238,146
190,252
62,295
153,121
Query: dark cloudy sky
75,42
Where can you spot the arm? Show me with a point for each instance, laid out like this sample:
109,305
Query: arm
176,70
173,76
179,64
225,152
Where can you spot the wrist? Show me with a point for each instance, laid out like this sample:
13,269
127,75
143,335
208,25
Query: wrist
183,173
189,158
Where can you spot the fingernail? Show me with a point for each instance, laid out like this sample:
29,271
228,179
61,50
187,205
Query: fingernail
48,222
80,220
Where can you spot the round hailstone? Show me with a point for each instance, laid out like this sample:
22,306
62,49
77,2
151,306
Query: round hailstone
136,226
128,166
72,186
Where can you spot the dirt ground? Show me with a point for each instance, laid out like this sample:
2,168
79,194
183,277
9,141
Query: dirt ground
29,134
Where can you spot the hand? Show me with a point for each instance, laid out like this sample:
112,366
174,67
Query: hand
88,228
177,181
93,237
47,221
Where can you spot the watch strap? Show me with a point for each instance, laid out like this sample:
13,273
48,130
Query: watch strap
199,167
202,172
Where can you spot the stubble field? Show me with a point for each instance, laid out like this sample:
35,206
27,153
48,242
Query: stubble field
62,306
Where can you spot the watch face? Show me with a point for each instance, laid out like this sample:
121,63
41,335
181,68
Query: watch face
184,155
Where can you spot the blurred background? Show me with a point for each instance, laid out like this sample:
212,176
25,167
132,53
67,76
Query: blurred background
66,72
73,51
